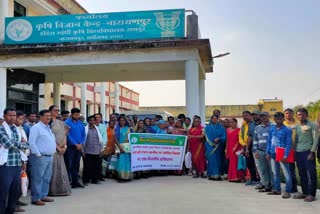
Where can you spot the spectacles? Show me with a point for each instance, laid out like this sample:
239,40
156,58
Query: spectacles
57,110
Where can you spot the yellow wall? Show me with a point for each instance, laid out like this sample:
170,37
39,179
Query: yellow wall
226,110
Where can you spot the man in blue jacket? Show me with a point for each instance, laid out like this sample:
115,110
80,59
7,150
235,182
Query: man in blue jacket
75,141
280,136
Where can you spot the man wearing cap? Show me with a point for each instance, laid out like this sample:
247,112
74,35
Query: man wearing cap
248,150
280,137
261,134
307,134
291,123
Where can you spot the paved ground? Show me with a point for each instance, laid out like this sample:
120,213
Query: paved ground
166,195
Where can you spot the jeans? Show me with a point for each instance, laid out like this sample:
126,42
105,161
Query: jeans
252,167
264,169
307,173
41,171
293,177
72,160
10,185
276,175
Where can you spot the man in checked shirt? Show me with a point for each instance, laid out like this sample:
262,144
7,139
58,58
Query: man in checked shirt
10,171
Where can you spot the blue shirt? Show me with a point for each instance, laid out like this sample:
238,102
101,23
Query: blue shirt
281,137
42,140
261,135
77,134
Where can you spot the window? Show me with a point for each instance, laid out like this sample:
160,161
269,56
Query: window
19,10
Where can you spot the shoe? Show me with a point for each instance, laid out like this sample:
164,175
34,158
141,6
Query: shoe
78,185
38,203
260,186
309,198
274,192
255,183
219,178
20,203
47,199
203,175
265,190
249,183
196,176
102,179
286,195
85,184
95,182
19,210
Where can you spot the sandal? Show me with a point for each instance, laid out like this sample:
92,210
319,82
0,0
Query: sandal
299,196
309,198
274,192
286,195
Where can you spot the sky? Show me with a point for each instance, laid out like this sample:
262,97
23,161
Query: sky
274,46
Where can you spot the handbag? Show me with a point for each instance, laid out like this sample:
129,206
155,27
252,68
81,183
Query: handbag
113,162
3,155
241,162
188,160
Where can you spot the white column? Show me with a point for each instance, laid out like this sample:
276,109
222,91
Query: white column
202,98
4,12
84,99
56,94
117,98
192,88
103,100
3,90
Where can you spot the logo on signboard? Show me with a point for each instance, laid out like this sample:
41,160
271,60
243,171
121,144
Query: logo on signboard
134,140
19,30
168,22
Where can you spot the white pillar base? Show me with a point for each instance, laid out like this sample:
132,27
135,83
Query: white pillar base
202,97
117,98
192,88
103,100
3,90
84,100
56,94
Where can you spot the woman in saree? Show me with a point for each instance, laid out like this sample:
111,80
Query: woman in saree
215,135
121,138
59,184
147,124
233,147
197,148
140,127
178,128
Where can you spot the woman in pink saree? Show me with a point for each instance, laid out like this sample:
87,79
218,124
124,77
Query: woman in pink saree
233,148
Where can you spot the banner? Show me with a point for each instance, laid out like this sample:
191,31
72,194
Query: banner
157,151
137,25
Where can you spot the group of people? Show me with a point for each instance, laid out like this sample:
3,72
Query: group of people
270,147
50,150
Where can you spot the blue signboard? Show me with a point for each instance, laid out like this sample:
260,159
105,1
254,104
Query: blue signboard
95,27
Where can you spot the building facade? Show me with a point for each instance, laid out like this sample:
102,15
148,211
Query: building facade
27,90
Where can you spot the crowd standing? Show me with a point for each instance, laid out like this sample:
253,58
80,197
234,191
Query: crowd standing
50,145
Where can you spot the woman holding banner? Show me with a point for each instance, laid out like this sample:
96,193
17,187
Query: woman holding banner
215,136
196,147
124,162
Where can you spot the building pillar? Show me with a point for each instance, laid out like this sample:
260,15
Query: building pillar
117,98
3,90
202,99
57,94
84,99
103,100
192,88
4,12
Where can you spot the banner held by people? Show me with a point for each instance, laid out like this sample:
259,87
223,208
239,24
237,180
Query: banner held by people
157,152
